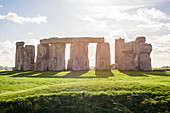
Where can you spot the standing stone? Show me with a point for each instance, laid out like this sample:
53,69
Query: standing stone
118,43
29,56
126,59
103,56
144,58
57,57
19,59
78,57
42,57
134,56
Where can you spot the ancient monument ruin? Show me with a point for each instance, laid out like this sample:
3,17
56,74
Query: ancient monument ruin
132,56
51,54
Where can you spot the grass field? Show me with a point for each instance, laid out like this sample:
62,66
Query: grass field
84,92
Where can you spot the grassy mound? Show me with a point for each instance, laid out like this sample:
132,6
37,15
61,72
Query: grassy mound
84,92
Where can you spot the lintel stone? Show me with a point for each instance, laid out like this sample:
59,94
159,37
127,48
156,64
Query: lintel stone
72,40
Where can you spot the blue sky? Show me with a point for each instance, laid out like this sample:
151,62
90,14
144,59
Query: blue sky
32,20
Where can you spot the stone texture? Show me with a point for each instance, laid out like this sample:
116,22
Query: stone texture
57,57
103,56
78,57
29,56
43,53
127,57
118,43
134,56
19,56
72,40
140,40
145,62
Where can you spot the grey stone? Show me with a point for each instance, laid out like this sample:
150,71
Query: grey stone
134,56
43,53
57,57
145,62
78,57
19,56
29,56
72,40
103,60
118,43
140,39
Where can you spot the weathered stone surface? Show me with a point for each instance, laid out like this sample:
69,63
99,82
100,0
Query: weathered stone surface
29,56
19,56
126,58
103,56
118,43
72,40
78,57
57,57
114,66
135,56
20,43
42,57
145,62
140,40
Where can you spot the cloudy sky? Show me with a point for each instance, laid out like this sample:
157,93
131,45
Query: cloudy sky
32,20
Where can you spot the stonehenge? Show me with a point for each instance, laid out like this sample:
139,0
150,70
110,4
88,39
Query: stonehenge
29,56
19,56
24,60
43,52
103,60
57,57
131,56
78,57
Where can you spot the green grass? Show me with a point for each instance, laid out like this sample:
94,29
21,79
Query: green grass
84,91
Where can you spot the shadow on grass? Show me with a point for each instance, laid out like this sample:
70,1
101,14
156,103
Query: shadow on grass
103,74
8,72
63,74
158,73
135,73
145,73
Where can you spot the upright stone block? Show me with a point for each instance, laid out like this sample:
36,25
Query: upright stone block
103,56
78,57
127,57
43,53
118,43
144,58
135,56
29,56
57,57
19,56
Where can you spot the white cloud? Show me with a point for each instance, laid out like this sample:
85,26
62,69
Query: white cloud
152,23
30,33
20,20
7,53
142,18
1,6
